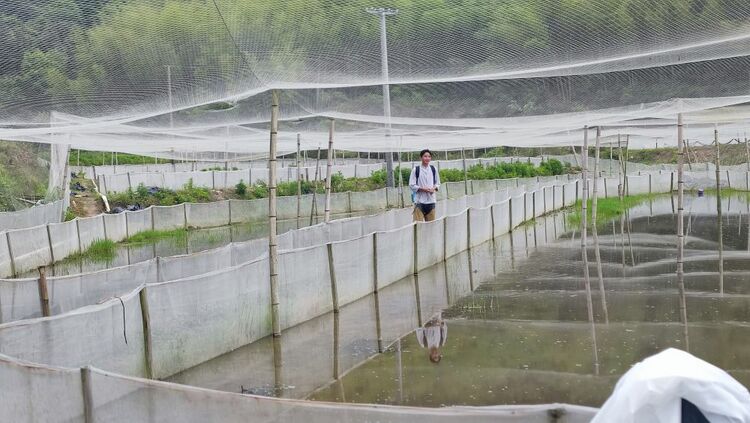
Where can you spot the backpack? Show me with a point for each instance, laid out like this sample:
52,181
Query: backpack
434,180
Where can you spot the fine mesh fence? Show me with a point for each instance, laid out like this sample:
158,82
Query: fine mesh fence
222,306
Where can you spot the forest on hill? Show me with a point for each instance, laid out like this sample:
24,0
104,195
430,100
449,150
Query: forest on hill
75,55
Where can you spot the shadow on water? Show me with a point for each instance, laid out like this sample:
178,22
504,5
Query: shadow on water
523,336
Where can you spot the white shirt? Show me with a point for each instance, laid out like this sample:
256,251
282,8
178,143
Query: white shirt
425,181
432,336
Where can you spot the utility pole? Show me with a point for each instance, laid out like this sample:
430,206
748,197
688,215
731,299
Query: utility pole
382,12
169,95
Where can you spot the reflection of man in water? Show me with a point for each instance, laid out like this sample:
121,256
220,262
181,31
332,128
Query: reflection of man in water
432,336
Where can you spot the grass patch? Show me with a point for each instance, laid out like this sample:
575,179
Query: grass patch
152,236
102,250
608,208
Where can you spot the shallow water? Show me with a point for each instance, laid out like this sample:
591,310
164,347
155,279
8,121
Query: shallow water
193,241
522,336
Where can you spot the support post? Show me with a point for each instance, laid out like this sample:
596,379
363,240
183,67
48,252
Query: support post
147,341
43,292
594,230
299,184
680,227
332,272
466,172
328,171
314,206
273,254
747,154
584,251
719,223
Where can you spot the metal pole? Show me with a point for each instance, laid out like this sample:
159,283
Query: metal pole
382,13
680,228
584,252
747,154
718,212
169,95
328,171
299,184
273,254
594,231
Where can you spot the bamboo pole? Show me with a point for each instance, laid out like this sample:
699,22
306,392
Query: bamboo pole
680,229
747,154
329,169
719,222
273,254
687,147
594,231
299,184
314,206
466,172
575,156
584,252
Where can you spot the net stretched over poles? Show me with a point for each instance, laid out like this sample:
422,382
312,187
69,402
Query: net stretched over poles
156,76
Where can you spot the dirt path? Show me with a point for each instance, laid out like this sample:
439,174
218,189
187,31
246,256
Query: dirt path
86,202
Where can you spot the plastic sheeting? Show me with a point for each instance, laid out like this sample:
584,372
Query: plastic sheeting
178,267
456,234
206,215
90,229
517,210
430,244
395,252
480,221
40,393
304,290
196,319
138,221
64,239
102,337
652,391
33,216
354,268
30,248
169,217
369,200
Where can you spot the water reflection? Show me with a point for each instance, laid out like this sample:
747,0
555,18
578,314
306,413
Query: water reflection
432,336
524,335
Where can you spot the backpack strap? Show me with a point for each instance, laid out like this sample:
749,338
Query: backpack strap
416,173
434,175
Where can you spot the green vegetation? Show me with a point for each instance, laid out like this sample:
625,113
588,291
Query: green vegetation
152,236
100,250
99,158
608,208
145,197
23,173
69,51
69,214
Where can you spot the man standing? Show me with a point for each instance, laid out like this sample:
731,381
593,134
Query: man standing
424,182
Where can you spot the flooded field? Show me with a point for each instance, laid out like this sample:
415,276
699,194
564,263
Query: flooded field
516,311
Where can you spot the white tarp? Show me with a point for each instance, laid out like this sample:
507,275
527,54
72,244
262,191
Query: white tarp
652,391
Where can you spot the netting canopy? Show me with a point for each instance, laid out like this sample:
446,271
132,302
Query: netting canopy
153,76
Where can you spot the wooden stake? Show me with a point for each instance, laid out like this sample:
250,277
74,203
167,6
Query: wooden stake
43,293
331,129
273,254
